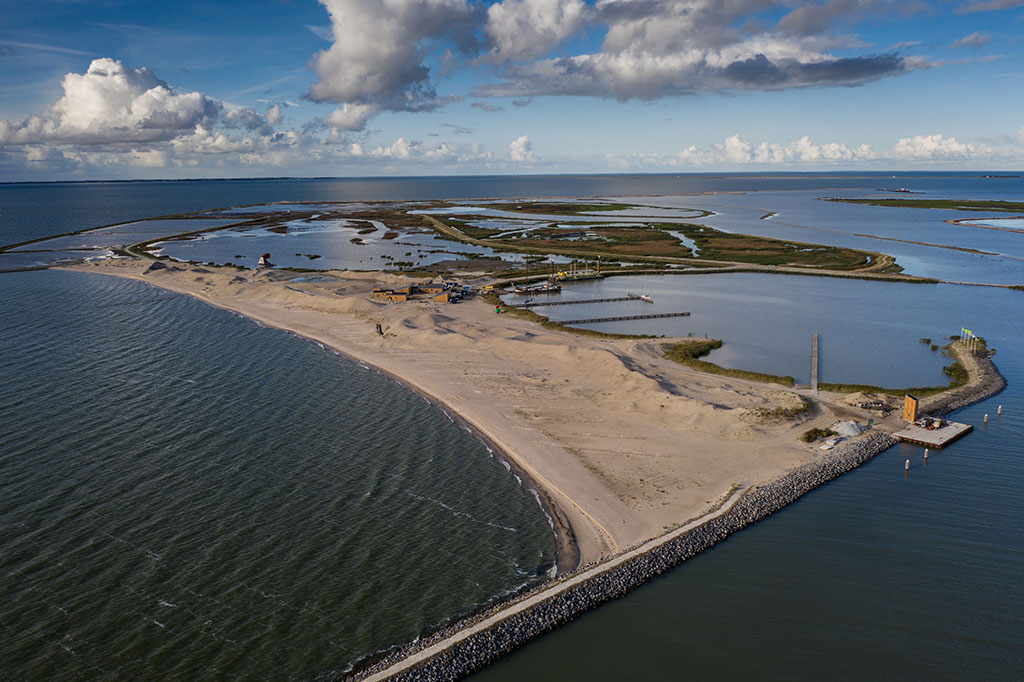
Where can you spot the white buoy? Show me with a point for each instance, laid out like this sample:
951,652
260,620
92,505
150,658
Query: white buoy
906,467
985,420
999,410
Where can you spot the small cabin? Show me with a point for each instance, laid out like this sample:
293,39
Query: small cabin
443,297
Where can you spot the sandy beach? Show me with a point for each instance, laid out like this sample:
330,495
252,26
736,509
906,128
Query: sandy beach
621,443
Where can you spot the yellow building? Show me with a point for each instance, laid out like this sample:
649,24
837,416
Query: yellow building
909,408
392,294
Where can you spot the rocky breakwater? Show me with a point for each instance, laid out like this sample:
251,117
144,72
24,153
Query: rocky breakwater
986,381
589,586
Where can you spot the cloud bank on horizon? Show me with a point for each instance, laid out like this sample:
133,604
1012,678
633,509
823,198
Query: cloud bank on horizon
527,69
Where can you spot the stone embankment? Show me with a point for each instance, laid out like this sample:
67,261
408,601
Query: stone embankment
604,582
989,382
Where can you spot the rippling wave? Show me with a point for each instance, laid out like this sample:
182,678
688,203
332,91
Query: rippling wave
190,496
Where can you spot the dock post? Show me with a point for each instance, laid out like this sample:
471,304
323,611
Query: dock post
999,410
906,467
985,420
926,454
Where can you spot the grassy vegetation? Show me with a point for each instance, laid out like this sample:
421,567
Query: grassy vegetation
956,372
814,434
688,353
558,208
477,232
949,204
656,242
716,245
528,314
637,242
690,350
785,414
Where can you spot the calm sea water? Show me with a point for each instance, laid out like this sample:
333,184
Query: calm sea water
190,496
870,332
876,576
32,210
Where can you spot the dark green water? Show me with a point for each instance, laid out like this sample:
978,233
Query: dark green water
189,496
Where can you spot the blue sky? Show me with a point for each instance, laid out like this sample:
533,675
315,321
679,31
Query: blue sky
96,89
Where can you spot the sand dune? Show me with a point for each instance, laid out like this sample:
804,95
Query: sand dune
624,442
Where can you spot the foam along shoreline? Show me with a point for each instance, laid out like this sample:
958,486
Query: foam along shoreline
567,554
564,411
471,644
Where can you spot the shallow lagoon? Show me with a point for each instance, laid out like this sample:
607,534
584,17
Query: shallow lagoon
869,330
801,216
331,240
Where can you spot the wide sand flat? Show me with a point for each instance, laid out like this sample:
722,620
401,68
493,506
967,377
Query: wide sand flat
624,442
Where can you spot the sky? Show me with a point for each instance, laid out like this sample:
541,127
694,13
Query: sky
118,89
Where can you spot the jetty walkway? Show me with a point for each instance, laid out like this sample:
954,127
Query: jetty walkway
621,318
547,594
627,297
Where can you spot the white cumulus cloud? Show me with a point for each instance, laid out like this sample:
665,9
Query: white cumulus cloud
521,150
376,61
273,115
351,116
922,147
672,47
527,29
736,151
112,103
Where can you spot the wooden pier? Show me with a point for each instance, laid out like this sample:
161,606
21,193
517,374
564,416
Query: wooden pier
622,318
933,438
629,297
814,363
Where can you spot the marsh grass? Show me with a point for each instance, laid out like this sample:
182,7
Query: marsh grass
688,353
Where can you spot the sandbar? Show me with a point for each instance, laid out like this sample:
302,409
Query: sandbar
622,443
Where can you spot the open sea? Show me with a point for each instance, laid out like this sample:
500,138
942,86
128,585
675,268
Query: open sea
185,495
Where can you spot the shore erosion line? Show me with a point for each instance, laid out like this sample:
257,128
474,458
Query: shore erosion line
465,646
567,551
